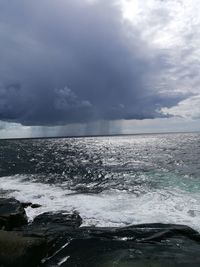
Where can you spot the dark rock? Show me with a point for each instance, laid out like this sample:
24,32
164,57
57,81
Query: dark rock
53,225
19,251
66,219
144,232
160,245
64,243
29,204
12,214
34,241
35,206
99,252
56,228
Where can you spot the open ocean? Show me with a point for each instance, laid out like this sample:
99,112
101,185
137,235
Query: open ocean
110,181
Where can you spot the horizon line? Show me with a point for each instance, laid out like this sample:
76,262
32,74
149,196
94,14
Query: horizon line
95,135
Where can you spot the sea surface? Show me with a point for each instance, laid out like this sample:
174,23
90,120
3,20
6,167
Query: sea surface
110,181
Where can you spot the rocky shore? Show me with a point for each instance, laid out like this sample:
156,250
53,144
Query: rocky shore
56,239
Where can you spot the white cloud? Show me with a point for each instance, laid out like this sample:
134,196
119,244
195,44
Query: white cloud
172,28
189,108
14,130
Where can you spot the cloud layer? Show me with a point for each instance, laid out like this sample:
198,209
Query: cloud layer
78,61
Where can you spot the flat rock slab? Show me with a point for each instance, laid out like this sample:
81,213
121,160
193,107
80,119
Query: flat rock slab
153,245
106,253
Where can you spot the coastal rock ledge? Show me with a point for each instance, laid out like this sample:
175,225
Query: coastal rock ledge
56,239
12,214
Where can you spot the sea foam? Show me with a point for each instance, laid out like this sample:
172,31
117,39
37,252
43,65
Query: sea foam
110,207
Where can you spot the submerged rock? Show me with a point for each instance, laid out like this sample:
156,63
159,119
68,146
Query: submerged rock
17,250
35,206
12,214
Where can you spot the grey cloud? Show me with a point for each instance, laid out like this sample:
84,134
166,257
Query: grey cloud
73,61
10,101
66,100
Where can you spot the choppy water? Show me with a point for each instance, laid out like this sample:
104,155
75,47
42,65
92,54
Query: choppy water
111,181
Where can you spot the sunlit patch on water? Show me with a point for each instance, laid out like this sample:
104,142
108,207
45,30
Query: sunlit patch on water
110,181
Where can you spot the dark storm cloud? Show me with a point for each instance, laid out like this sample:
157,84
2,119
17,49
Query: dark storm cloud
74,61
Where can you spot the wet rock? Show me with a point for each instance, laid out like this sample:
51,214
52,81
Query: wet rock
30,204
12,214
56,228
144,232
17,250
55,239
65,219
155,245
53,225
33,241
106,253
35,206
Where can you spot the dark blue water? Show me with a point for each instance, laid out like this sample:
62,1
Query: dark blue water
115,180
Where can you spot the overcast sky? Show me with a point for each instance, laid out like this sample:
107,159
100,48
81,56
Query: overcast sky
76,67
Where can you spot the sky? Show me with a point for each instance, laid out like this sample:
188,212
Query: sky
84,67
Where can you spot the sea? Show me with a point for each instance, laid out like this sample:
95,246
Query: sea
108,180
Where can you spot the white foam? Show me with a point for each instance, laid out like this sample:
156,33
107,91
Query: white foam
109,208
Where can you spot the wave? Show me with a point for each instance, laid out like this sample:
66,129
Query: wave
110,207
